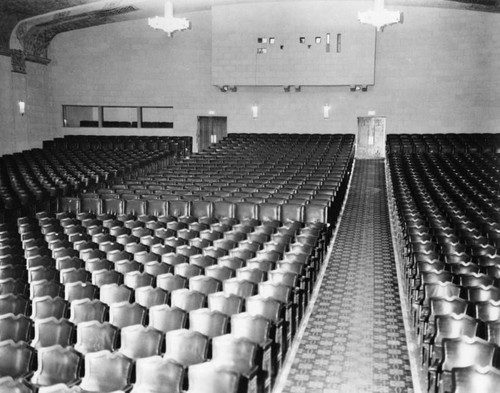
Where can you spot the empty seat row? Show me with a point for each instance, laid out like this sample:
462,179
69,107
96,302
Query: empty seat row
444,207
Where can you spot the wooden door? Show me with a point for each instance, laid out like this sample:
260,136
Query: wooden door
211,129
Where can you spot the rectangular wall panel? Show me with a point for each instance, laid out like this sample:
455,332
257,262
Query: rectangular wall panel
309,43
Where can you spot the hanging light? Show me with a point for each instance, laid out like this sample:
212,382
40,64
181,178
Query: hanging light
168,23
379,16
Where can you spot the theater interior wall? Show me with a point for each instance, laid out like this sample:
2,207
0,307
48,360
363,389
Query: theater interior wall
435,73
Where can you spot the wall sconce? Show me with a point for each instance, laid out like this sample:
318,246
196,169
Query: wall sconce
227,88
255,111
22,107
326,111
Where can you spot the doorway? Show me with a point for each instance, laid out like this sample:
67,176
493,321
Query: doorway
211,129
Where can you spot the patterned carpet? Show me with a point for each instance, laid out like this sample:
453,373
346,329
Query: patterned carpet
354,340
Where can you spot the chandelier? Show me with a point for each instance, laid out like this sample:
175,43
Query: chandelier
379,16
168,23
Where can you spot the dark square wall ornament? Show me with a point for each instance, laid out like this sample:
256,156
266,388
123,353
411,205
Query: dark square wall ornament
18,61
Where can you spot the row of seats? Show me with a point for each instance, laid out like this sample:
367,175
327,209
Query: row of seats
311,170
33,180
181,145
234,275
443,143
127,124
445,207
167,291
63,369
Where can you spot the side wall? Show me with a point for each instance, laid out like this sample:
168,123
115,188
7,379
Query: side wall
432,75
18,132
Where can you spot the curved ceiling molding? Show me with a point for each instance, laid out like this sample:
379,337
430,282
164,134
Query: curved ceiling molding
31,37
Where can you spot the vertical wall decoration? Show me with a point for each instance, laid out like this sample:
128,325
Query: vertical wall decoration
18,61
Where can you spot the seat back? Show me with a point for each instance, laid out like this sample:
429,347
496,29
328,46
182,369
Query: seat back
475,379
148,296
187,299
126,314
204,284
95,336
53,331
112,206
178,208
467,351
227,304
115,293
46,306
186,347
91,205
245,211
223,209
139,341
210,378
292,212
252,327
83,310
279,292
80,290
57,364
69,204
208,322
266,307
170,282
106,371
237,354
200,209
239,287
155,374
16,359
15,327
165,318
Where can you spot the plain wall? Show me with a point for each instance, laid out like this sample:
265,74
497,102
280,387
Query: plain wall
21,132
437,72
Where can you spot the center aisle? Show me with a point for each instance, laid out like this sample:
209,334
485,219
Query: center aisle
354,340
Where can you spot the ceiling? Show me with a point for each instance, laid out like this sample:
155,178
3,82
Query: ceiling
34,38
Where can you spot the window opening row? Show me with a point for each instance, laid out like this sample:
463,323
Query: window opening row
118,116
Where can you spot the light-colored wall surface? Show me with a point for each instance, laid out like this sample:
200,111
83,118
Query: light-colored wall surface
437,72
294,58
7,102
18,132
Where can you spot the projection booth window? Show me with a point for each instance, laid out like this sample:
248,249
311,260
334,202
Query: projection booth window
80,116
157,117
118,116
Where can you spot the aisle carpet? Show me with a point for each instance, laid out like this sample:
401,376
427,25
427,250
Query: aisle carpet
354,340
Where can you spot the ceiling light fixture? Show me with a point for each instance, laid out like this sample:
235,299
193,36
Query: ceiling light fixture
379,16
168,23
